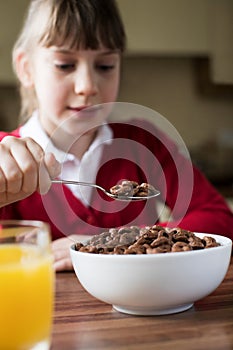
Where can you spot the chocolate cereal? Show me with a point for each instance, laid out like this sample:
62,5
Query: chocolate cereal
129,188
147,240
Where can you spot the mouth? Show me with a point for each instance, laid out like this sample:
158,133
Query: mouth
85,111
77,109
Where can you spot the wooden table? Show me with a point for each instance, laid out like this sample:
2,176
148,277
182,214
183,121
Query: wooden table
82,322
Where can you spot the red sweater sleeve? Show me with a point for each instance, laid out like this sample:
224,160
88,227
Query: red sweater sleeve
195,204
207,211
12,133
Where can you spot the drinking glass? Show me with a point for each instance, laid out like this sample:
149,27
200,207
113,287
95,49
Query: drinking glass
26,285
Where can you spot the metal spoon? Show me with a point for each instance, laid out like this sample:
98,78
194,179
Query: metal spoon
114,196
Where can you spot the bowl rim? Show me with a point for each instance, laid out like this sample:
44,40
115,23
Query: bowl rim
226,243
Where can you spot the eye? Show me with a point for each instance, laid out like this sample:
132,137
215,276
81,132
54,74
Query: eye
65,66
105,67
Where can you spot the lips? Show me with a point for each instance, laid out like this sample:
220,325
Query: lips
85,111
78,109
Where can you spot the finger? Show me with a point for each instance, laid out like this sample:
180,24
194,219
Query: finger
2,182
62,260
63,244
43,177
10,170
28,166
63,265
52,165
28,154
60,249
35,149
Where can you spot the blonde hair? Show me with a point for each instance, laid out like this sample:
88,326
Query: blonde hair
79,24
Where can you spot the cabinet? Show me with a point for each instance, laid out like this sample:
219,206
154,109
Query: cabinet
199,28
170,27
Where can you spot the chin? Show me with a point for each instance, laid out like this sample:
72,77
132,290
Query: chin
76,132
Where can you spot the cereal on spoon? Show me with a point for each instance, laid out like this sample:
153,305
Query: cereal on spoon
130,188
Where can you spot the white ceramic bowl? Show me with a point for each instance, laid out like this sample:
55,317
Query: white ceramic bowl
153,284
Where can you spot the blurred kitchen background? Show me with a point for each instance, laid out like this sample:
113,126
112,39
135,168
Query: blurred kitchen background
179,62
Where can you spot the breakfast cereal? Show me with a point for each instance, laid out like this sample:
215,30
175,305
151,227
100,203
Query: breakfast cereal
147,240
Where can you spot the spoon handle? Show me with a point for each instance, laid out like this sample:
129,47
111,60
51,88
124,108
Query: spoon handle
78,183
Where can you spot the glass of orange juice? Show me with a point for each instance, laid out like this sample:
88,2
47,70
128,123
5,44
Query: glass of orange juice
26,285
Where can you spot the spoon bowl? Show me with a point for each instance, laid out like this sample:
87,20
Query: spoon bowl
111,195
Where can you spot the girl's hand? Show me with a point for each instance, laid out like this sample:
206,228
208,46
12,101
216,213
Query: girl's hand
24,169
61,251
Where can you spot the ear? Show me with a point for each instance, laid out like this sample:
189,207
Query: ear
23,68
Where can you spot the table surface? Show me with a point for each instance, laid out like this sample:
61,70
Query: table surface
83,322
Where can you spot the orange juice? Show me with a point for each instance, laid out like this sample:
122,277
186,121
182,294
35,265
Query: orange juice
26,296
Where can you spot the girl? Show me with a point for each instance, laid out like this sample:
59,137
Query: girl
68,59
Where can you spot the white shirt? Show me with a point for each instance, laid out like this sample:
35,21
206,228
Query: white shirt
72,168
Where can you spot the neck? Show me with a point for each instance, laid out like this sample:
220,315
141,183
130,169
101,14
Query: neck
76,144
79,147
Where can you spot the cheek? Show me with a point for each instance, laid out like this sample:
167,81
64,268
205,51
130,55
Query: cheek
109,86
49,93
47,98
111,90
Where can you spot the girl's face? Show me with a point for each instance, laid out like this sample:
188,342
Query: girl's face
67,82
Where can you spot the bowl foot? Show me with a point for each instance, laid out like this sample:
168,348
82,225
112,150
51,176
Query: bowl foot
152,312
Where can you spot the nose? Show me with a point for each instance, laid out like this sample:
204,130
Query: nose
85,81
